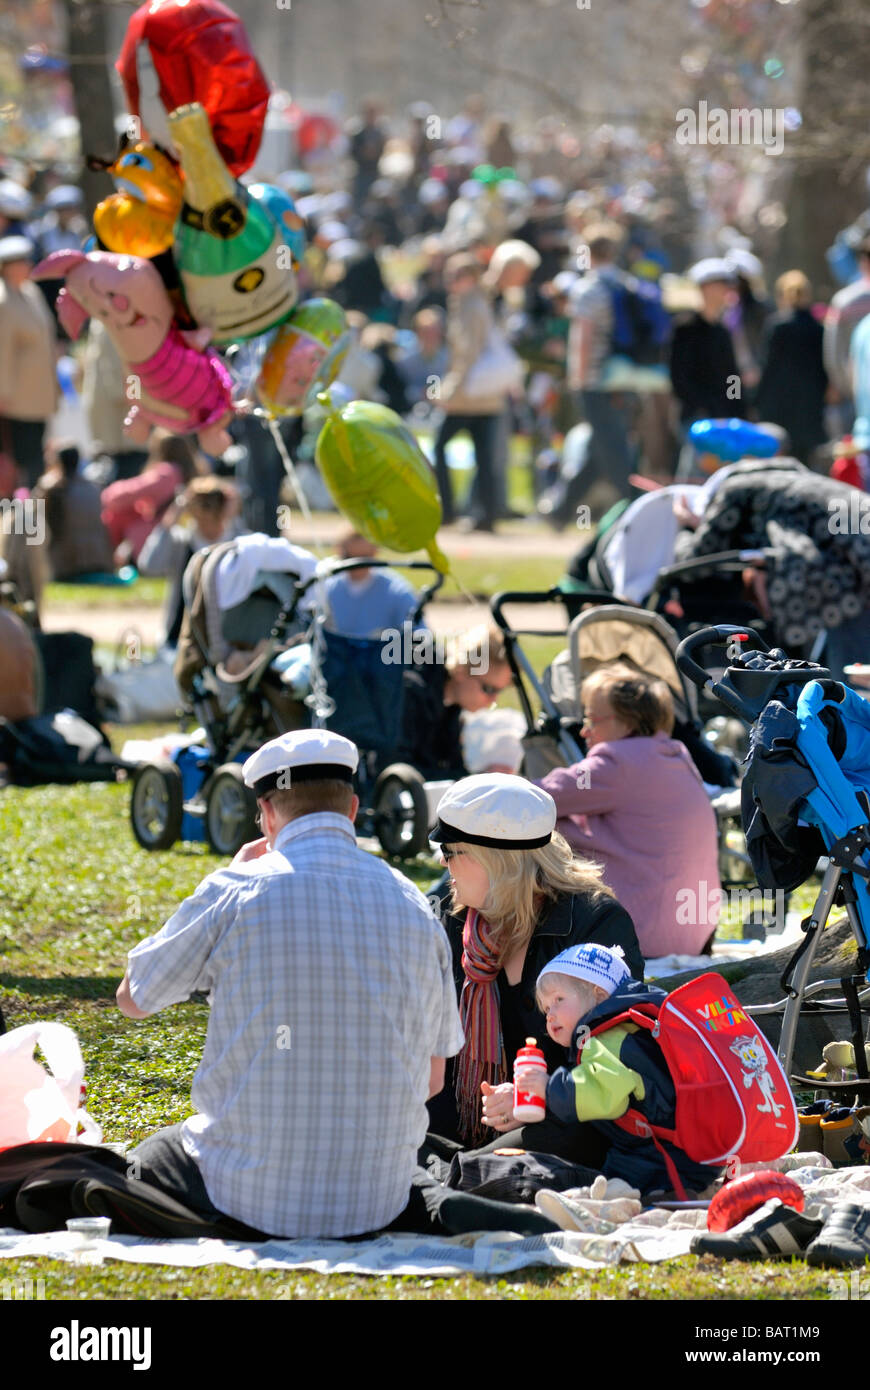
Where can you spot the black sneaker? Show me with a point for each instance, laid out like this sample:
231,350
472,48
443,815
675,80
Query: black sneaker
771,1232
845,1240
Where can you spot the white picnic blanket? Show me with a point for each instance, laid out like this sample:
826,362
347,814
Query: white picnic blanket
494,1252
655,1235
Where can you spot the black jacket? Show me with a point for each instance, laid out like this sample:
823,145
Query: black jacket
430,731
567,921
702,360
793,383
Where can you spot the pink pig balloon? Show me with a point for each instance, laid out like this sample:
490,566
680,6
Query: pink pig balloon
180,386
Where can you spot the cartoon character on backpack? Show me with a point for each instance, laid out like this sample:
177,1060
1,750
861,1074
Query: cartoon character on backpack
753,1060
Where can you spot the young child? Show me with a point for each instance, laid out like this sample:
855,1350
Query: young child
621,1068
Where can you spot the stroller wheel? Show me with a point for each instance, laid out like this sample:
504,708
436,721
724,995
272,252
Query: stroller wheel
401,811
156,806
230,811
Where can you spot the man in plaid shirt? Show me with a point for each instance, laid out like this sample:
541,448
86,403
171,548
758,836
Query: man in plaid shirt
332,1010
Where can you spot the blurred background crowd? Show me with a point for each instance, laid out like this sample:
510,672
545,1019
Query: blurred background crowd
541,298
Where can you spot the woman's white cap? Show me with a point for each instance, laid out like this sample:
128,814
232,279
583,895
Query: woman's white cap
497,810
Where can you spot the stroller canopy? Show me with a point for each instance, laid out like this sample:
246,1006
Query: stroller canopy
615,633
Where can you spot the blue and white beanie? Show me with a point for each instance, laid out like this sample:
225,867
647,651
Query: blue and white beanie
599,965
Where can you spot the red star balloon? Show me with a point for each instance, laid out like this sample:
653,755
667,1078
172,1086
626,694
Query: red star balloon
179,51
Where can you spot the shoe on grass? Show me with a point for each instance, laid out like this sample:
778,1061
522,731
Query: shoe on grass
774,1231
845,1240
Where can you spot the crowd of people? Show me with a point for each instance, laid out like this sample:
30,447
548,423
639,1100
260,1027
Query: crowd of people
498,283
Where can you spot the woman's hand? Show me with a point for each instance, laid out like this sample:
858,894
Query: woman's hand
498,1106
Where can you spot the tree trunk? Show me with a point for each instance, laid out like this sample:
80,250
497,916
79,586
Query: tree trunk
92,91
828,189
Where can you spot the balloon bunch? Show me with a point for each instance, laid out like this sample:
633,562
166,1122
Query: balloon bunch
186,260
194,274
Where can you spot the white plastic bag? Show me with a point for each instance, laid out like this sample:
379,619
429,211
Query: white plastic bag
33,1104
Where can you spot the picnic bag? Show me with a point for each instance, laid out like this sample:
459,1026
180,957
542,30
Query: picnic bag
733,1100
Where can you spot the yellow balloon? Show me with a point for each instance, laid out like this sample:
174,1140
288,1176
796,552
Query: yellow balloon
379,477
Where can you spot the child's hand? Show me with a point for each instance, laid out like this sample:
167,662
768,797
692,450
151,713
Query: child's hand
533,1080
498,1106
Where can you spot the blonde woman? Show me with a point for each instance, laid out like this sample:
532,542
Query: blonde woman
793,386
518,898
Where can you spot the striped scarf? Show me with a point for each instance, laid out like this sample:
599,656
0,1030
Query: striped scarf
482,1058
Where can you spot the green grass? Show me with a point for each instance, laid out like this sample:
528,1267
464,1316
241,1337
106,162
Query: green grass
78,893
144,592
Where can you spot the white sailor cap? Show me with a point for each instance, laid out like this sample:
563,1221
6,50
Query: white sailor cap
307,755
16,248
710,269
498,810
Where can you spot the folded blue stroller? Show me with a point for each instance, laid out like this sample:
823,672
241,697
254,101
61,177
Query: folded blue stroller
805,795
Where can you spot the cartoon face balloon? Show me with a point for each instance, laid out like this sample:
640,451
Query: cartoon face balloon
172,381
304,356
234,256
140,218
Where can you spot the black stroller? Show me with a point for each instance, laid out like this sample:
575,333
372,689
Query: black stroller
805,794
199,793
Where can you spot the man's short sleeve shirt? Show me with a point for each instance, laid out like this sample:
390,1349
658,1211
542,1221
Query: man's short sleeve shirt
331,989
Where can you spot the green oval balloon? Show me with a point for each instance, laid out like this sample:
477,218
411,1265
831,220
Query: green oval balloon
379,477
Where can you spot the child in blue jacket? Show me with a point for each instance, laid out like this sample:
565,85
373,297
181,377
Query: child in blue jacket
622,1068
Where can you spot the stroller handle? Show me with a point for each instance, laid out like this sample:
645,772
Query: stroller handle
564,596
708,637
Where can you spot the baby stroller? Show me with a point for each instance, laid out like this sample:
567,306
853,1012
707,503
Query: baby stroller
260,594
598,636
240,596
806,793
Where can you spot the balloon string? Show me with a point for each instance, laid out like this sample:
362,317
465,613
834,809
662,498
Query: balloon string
290,470
473,599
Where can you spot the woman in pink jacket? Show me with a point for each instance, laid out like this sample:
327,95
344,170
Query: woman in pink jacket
637,805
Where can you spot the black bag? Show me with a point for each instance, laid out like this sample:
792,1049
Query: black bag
777,781
37,751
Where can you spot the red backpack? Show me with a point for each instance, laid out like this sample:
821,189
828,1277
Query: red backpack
733,1100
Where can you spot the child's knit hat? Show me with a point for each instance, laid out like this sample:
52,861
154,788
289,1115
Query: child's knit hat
599,965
